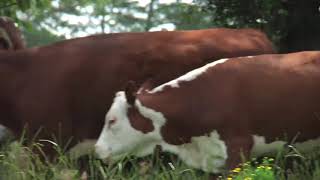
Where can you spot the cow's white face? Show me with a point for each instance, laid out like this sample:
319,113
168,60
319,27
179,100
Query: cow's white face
118,137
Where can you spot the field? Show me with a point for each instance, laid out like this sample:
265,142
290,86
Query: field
19,162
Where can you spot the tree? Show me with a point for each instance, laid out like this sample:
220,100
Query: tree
46,17
19,10
11,8
38,37
302,25
292,24
101,16
268,15
184,16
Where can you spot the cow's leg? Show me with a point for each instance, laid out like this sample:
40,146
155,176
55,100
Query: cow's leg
238,147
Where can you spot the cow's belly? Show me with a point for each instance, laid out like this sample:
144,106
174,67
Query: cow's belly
261,148
208,153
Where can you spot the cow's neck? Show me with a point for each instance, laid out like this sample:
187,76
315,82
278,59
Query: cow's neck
205,152
157,118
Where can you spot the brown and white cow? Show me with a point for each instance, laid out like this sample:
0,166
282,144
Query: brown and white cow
66,87
10,36
211,114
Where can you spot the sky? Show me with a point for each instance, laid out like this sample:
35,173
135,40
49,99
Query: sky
145,2
85,19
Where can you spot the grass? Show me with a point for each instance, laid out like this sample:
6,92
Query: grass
289,164
20,162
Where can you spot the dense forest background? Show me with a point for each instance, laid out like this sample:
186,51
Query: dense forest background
293,25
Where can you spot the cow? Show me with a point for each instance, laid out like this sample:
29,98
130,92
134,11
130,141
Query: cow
10,36
65,87
213,114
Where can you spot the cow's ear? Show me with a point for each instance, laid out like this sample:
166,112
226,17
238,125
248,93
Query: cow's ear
131,92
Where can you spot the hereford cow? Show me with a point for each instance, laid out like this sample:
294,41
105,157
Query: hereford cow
10,35
65,87
211,114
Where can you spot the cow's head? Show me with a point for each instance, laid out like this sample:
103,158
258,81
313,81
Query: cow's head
119,136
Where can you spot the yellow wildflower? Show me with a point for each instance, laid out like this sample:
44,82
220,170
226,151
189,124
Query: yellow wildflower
268,168
236,170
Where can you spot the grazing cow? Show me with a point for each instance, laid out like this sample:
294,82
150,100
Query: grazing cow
10,35
65,87
211,114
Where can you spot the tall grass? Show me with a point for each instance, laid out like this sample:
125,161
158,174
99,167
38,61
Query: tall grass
20,162
289,164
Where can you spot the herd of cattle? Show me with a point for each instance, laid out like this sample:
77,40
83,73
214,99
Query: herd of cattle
205,95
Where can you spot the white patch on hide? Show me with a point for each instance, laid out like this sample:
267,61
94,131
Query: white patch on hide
261,148
308,146
157,118
188,76
207,153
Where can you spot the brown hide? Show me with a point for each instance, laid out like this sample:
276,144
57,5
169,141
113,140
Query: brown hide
67,87
275,96
10,35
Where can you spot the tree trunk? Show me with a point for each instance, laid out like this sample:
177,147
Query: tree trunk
150,15
102,23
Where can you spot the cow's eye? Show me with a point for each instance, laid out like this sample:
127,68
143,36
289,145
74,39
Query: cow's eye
111,122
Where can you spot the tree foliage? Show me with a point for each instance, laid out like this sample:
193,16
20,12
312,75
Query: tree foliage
11,7
268,15
18,10
184,16
292,24
83,17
